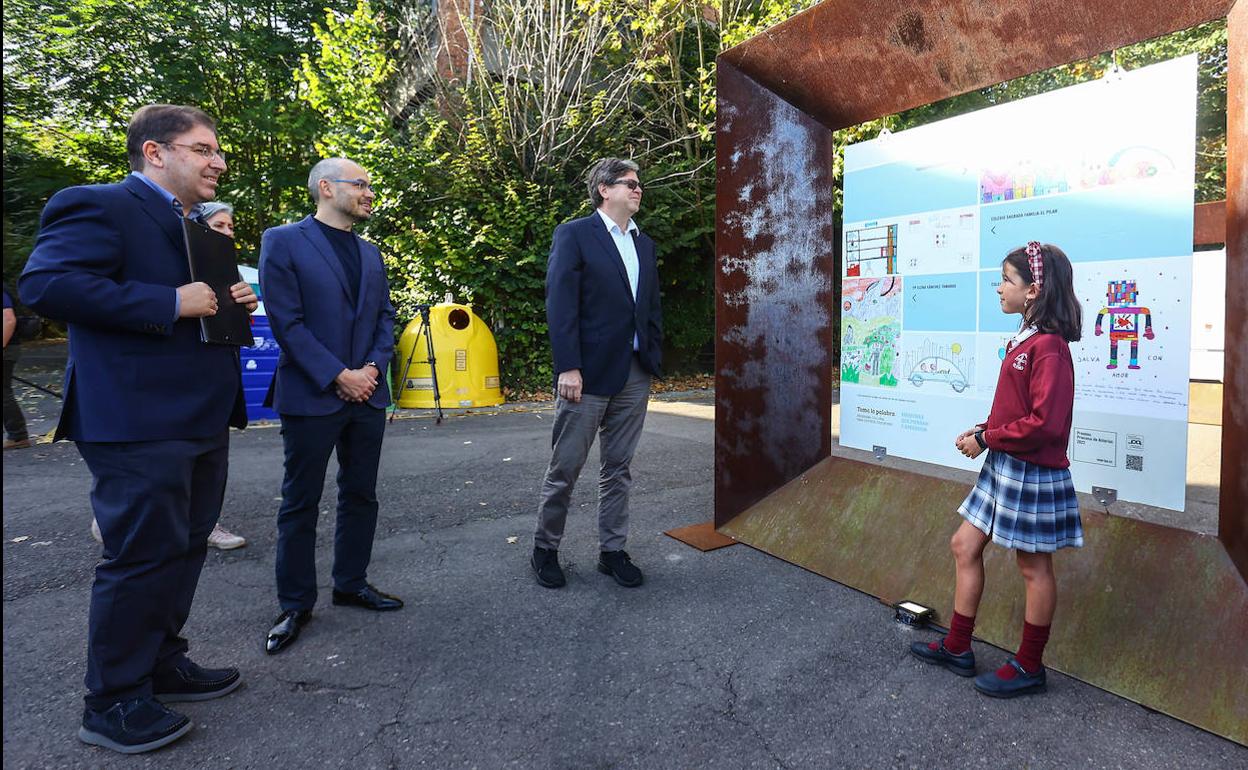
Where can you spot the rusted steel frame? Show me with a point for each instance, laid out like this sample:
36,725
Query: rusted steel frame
775,286
1233,494
847,61
1209,227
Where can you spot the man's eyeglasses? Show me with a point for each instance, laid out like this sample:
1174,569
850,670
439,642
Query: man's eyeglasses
632,184
203,150
358,184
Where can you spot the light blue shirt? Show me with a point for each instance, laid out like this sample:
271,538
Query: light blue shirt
176,205
628,255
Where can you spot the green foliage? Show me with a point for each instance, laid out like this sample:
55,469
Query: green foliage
75,72
473,180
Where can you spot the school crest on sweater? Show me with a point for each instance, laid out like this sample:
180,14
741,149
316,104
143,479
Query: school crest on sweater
1020,361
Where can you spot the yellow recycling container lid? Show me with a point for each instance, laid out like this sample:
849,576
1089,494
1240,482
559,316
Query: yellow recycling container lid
466,356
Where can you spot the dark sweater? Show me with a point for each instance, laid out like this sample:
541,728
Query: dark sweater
348,250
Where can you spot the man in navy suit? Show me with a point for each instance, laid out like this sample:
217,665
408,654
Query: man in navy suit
606,333
328,301
149,406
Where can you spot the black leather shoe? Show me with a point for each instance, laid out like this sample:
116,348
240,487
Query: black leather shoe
545,563
962,665
189,682
1023,683
369,598
133,726
286,629
618,565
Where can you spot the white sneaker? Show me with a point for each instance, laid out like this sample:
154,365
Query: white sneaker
224,539
95,531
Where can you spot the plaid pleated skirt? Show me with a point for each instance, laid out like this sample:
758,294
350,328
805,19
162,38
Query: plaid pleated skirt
1024,506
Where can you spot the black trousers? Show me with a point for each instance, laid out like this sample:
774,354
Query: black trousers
14,420
355,433
155,502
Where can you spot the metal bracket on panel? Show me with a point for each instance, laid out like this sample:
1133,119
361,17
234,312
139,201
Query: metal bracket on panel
880,451
1105,495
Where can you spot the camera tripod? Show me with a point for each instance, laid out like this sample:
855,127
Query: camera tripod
430,359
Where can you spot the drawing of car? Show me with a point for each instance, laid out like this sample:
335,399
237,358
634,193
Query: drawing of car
937,369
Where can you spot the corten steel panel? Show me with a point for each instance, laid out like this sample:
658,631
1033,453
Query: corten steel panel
1209,227
848,61
1233,503
1155,614
844,62
774,293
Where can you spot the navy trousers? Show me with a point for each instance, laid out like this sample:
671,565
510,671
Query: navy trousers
355,432
156,502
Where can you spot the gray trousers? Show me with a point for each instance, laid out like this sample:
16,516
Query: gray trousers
619,419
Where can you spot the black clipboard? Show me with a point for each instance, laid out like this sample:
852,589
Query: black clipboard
210,255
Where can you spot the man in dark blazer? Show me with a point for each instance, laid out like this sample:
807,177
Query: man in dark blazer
606,333
329,304
149,406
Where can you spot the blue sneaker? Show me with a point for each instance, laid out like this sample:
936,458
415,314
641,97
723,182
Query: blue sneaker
962,665
1023,683
133,726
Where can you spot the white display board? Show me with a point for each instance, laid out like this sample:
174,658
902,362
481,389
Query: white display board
1105,171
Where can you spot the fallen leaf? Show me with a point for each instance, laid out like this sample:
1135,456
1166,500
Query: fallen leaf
512,540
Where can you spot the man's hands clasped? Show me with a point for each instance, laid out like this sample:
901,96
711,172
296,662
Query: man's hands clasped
357,385
198,300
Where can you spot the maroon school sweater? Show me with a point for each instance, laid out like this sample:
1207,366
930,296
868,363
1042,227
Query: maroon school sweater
1032,409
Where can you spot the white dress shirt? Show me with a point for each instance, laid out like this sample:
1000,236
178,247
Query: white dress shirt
628,255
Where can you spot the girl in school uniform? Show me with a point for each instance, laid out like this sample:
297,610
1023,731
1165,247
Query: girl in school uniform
1024,499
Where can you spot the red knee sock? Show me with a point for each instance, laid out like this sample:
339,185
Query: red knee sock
1030,652
959,639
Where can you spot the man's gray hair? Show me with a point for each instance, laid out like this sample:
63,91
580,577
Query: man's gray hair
329,168
212,208
606,171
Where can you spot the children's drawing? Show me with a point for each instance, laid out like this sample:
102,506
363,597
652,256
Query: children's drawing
870,330
871,250
1124,321
932,362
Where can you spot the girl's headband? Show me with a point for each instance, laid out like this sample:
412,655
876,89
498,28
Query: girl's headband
1035,261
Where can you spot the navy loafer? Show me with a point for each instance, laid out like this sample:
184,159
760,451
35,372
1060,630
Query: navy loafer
191,682
962,665
1022,683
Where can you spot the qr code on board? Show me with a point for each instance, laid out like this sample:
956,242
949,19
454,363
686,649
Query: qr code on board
1135,462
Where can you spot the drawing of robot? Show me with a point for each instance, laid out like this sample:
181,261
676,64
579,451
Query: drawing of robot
1124,321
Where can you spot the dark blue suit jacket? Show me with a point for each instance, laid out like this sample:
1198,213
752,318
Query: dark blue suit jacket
320,332
108,260
590,309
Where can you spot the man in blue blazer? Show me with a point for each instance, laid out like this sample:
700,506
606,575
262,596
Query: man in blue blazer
149,405
328,301
606,333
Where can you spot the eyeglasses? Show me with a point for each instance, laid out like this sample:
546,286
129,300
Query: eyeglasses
358,184
632,184
203,150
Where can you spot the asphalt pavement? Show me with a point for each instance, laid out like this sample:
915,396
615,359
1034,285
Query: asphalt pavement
725,659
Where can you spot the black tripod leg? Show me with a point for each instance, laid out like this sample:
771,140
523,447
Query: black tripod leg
433,371
403,380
